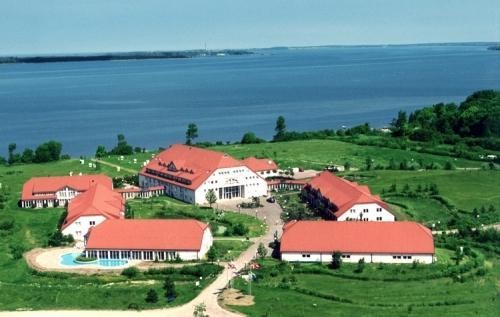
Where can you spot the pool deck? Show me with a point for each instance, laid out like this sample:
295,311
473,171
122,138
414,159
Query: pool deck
49,259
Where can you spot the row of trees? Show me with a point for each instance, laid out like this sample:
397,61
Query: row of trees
477,117
46,152
122,148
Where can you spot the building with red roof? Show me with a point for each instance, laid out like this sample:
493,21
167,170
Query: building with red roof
53,191
188,173
90,208
264,167
149,239
384,242
342,200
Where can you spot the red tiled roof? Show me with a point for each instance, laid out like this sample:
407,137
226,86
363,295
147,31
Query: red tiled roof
194,165
51,184
357,237
98,200
343,193
259,165
147,234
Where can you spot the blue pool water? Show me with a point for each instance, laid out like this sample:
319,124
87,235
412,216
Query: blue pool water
68,259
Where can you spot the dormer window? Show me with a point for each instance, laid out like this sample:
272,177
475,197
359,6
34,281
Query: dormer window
171,167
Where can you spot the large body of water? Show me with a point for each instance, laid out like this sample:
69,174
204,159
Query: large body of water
152,101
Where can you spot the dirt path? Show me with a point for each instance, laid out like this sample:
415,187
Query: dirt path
209,296
115,166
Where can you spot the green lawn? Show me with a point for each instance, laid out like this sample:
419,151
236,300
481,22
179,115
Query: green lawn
344,294
230,249
319,153
166,207
22,288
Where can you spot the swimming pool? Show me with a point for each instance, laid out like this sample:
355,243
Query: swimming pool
68,259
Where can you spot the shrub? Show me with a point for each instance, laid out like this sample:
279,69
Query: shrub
130,272
336,260
6,223
152,296
82,258
16,250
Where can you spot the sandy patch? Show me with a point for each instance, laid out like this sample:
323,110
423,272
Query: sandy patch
233,297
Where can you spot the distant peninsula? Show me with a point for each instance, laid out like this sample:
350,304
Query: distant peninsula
119,56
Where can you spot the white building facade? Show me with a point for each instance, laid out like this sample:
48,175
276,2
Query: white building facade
394,258
79,228
367,212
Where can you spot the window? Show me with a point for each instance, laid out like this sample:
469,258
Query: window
103,254
148,255
136,255
365,210
306,255
114,254
77,223
78,233
379,218
352,210
409,257
346,256
125,254
379,209
92,223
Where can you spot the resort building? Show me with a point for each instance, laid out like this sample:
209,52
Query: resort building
137,192
188,173
384,242
263,167
278,184
342,200
149,240
56,191
90,208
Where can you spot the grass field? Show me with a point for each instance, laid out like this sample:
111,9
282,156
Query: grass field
317,154
22,288
375,292
166,207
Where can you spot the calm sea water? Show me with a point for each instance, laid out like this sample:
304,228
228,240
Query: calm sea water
152,101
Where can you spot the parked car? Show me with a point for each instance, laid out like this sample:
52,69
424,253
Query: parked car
271,200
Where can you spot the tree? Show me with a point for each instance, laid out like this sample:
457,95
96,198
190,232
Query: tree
347,166
280,129
169,287
250,137
212,254
199,310
48,152
101,151
122,147
191,133
12,158
129,212
361,265
211,197
27,156
261,250
336,260
399,124
152,296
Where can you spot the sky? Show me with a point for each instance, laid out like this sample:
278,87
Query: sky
70,26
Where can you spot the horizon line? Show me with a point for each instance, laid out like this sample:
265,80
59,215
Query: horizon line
254,48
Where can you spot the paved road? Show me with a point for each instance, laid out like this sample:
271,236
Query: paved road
270,213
